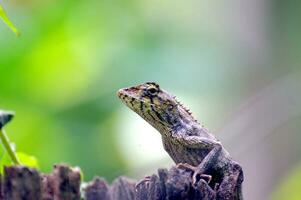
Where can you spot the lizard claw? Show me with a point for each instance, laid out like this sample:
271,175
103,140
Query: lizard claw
145,180
205,177
186,166
196,173
216,187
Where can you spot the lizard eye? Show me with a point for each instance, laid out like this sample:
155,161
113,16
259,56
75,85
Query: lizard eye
152,90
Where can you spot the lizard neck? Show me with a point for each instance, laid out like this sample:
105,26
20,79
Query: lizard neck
184,125
181,123
191,129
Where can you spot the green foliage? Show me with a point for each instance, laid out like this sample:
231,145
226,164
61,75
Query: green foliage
25,159
289,188
8,147
4,161
10,156
28,160
7,21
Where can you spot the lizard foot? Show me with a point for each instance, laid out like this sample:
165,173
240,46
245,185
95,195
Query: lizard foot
186,166
205,177
196,173
145,180
216,187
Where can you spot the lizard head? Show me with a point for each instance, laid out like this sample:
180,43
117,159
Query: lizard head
155,105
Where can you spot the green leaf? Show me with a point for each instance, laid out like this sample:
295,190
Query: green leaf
25,159
6,20
28,160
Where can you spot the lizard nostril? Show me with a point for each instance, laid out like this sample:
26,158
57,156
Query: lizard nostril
120,93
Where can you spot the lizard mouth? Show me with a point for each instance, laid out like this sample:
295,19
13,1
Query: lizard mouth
120,93
129,97
126,96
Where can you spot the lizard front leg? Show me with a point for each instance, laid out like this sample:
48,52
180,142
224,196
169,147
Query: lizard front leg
194,169
230,185
210,160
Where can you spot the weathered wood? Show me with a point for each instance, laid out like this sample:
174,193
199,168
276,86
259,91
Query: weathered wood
66,183
47,187
173,184
1,187
63,183
21,183
98,189
123,188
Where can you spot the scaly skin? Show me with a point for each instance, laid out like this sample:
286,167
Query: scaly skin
189,144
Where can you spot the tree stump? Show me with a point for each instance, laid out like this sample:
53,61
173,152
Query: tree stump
23,183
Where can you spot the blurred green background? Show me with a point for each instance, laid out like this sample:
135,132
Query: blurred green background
236,64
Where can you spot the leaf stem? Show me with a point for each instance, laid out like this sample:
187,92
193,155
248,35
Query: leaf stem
8,147
6,20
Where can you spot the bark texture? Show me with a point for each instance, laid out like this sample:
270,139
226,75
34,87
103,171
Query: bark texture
23,183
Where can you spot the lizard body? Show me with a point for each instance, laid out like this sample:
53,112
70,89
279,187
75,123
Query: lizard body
187,142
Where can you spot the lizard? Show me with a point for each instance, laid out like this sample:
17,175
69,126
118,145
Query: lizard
189,144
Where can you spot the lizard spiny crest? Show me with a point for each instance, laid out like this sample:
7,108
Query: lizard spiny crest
160,109
184,107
